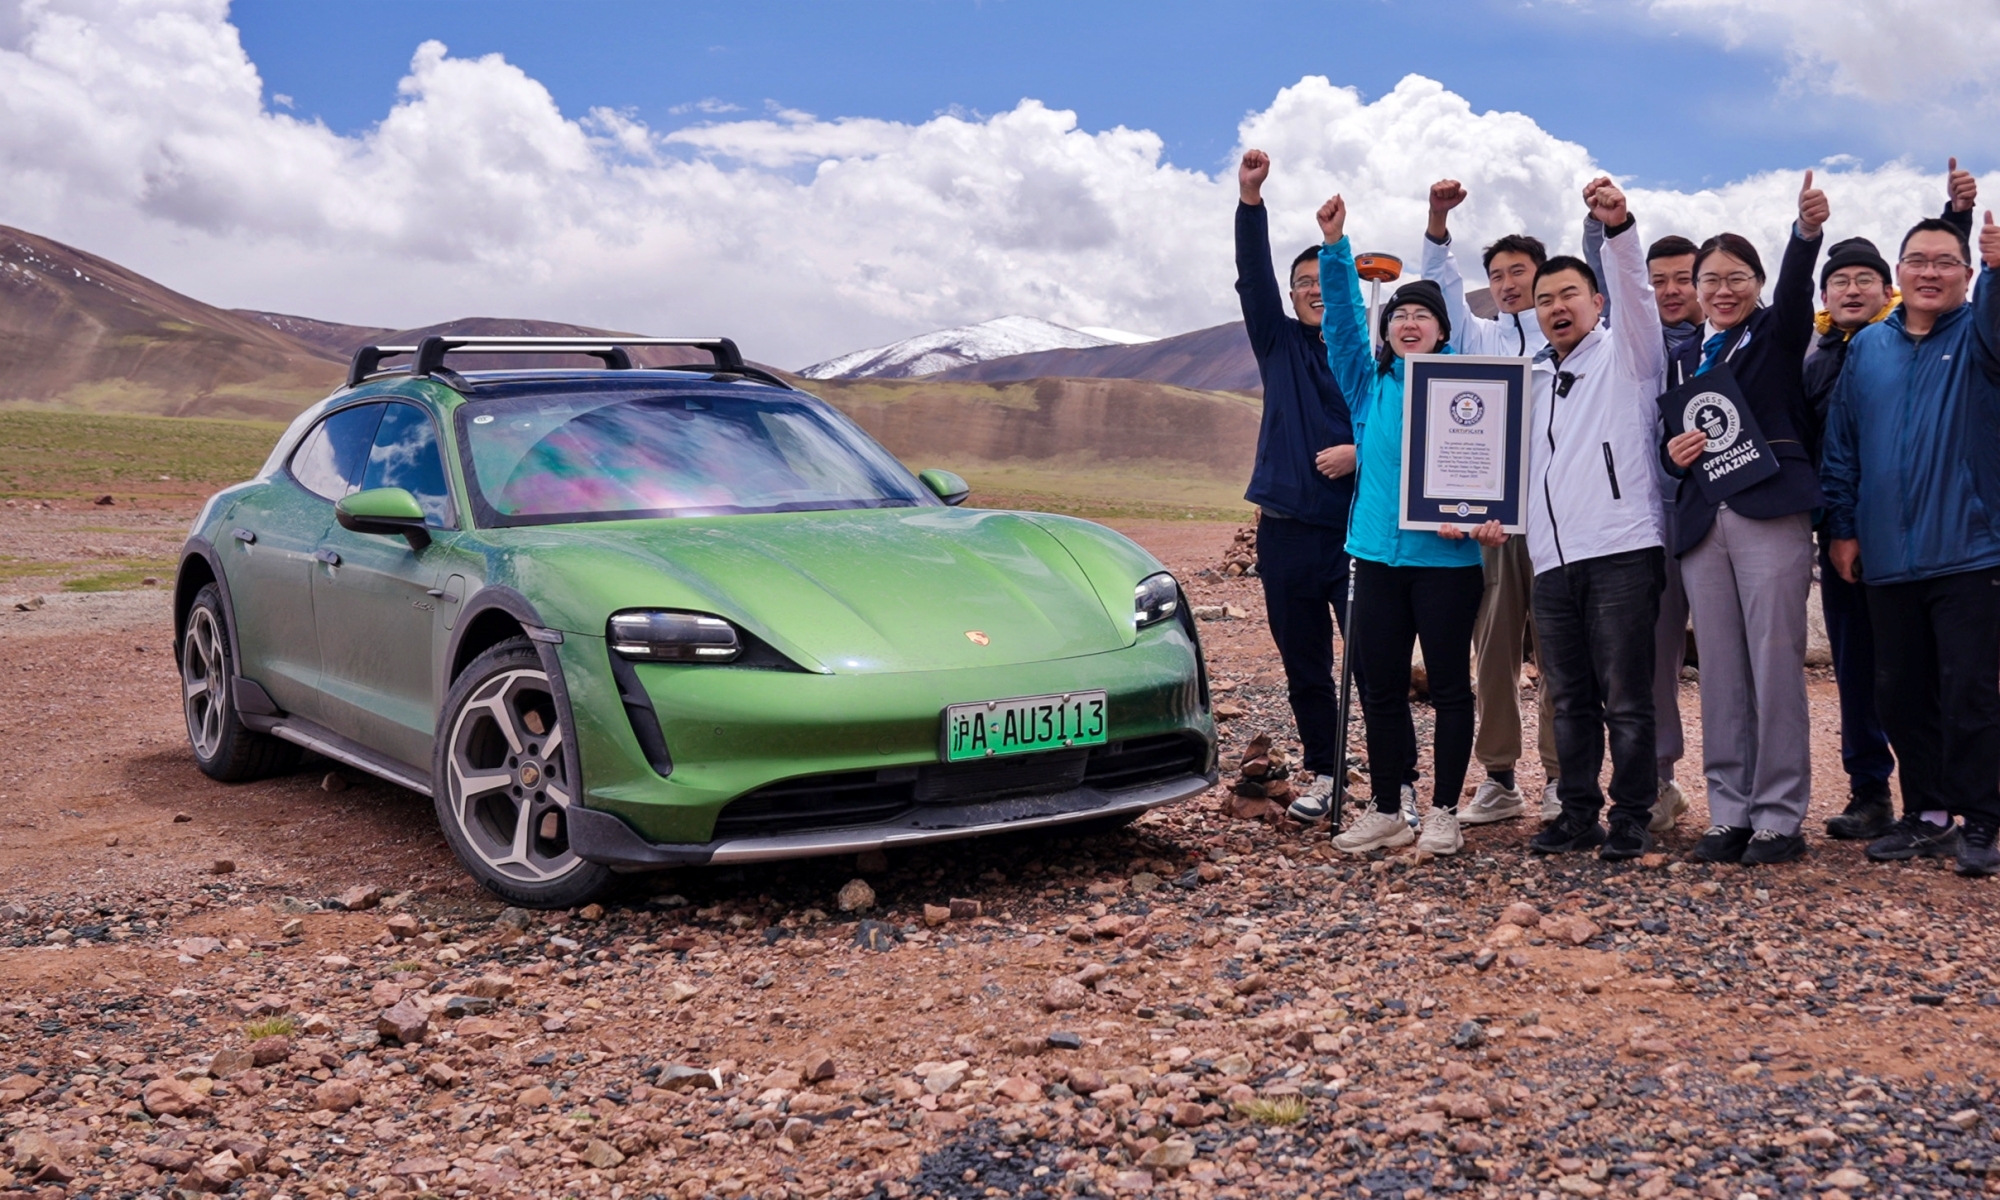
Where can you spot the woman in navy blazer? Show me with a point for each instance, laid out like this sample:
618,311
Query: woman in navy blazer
1747,562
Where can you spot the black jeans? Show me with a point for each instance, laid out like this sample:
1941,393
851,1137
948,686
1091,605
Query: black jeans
1937,687
1864,747
1304,571
1596,621
1394,608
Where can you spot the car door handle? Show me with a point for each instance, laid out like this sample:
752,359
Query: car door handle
328,557
245,536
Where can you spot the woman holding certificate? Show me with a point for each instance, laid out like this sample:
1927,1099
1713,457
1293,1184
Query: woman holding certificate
1410,586
1737,412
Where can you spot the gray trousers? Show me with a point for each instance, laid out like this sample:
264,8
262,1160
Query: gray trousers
1747,583
1669,656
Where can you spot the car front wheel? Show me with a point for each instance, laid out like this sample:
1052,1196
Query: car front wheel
502,784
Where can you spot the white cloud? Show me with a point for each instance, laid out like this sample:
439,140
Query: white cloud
1887,50
136,130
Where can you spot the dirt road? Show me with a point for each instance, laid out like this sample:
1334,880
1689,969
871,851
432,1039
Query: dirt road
1140,1013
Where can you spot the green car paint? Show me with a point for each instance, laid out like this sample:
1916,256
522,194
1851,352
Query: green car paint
352,614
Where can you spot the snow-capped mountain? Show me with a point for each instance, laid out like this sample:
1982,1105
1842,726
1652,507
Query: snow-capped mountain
929,353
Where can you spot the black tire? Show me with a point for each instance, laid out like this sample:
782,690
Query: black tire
503,778
224,748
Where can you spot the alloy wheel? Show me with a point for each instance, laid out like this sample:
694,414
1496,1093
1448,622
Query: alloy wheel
204,678
507,777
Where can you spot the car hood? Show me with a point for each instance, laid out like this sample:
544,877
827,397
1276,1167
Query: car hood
853,591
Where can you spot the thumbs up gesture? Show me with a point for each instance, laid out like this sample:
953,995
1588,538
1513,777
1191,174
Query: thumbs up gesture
1989,242
1813,209
1961,187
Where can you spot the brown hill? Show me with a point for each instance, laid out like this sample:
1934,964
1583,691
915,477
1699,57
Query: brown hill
1215,359
79,332
336,339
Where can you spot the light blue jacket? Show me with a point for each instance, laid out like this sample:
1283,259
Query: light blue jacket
1375,397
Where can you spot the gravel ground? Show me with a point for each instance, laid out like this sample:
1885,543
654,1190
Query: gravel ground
278,989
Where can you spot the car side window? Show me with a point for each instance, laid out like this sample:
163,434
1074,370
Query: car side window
405,455
331,459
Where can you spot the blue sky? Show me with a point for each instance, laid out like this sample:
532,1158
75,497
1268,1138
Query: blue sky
1657,102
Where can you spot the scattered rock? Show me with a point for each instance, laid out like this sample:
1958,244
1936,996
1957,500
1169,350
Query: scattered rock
855,895
360,896
333,782
965,910
403,927
936,915
170,1097
1063,995
405,1021
601,1154
876,935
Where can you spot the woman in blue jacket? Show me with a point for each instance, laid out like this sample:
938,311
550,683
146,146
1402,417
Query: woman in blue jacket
1747,562
1409,585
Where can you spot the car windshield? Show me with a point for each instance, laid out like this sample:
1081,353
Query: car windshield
597,456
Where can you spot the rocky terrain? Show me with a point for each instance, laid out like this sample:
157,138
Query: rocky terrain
287,989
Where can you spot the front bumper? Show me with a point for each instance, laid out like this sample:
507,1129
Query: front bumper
742,734
602,838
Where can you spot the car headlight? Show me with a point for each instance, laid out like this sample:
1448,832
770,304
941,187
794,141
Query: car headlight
1155,599
674,637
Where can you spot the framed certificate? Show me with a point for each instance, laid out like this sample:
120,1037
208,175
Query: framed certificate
1465,441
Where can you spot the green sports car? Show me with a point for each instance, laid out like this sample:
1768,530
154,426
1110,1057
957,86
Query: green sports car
623,618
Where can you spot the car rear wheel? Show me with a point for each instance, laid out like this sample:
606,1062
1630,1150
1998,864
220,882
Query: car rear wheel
502,784
224,748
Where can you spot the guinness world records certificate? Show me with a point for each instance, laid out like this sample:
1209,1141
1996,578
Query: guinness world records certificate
1465,441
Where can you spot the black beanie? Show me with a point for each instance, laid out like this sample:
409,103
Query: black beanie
1418,291
1855,252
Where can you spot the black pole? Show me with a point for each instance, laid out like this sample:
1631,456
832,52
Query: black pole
1346,685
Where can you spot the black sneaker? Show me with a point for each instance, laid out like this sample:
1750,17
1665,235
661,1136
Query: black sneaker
1628,839
1768,847
1721,844
1567,834
1869,814
1976,852
1914,837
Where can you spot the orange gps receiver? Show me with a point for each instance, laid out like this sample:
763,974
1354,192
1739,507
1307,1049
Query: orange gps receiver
1378,268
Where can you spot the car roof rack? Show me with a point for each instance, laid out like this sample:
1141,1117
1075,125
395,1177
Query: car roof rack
428,355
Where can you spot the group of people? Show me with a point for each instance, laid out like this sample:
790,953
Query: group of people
1878,415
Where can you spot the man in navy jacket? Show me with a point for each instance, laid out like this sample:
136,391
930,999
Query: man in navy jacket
1912,477
1302,484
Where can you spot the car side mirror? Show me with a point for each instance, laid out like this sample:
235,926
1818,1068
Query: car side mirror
947,486
389,510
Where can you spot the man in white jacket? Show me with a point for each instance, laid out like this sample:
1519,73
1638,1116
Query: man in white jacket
1593,531
1504,616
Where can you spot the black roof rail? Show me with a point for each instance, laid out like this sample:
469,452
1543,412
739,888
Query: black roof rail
368,360
429,354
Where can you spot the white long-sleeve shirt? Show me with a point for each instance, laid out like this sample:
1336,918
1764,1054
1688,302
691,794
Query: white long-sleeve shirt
1592,478
1516,334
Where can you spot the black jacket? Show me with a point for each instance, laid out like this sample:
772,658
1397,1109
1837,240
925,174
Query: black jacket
1768,360
1304,412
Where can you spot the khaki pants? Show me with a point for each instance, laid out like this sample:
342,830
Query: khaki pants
1504,613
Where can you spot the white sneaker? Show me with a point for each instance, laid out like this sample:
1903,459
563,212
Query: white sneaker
1667,809
1409,811
1313,804
1492,802
1552,808
1375,830
1441,834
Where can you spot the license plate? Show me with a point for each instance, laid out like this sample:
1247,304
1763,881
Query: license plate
1022,725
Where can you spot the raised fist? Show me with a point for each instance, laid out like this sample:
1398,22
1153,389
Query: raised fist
1813,208
1961,186
1446,194
1250,175
1333,219
1606,201
1989,242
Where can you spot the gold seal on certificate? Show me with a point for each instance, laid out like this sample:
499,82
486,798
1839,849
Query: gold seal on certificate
1465,448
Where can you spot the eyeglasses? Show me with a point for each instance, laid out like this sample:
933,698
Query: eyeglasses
1917,264
1843,282
1305,283
1736,281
